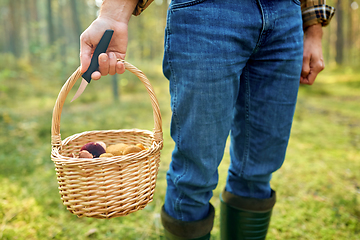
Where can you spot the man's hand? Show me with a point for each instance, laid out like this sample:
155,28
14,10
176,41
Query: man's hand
115,15
313,62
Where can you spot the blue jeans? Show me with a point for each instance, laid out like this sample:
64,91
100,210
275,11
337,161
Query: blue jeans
234,68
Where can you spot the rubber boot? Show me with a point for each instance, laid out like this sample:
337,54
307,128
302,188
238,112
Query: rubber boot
245,218
179,230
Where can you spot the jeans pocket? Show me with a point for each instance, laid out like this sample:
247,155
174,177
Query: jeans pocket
297,2
177,4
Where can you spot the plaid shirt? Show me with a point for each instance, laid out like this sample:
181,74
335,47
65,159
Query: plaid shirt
316,11
313,11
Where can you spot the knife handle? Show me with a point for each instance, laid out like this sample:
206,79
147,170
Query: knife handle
100,48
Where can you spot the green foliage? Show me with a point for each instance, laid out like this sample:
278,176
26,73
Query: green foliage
318,186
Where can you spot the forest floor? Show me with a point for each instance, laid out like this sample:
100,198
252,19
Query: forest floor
318,187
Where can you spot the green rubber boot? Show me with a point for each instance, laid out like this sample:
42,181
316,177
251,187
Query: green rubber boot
179,230
245,218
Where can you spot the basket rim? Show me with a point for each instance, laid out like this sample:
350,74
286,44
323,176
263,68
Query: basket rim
58,158
79,135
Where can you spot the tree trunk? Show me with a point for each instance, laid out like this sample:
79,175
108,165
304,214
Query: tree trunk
62,52
350,41
35,40
339,58
14,28
115,88
76,20
28,28
50,23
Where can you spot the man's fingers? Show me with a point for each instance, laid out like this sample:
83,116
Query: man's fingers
310,76
112,63
305,67
108,64
321,65
96,75
104,64
120,67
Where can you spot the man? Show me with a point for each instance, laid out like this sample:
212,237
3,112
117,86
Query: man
234,68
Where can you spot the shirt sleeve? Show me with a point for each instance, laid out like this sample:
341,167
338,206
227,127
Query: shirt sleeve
140,7
316,11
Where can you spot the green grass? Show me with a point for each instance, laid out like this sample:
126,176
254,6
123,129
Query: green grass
318,186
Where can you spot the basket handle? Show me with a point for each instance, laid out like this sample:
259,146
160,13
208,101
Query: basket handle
55,127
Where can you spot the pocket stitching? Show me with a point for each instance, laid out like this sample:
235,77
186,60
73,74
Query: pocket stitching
186,4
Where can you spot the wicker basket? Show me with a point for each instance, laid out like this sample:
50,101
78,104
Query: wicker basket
106,187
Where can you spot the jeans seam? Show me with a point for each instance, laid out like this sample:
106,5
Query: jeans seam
247,121
174,98
258,44
177,207
172,78
177,204
266,29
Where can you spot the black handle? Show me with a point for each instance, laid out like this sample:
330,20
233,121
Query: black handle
100,48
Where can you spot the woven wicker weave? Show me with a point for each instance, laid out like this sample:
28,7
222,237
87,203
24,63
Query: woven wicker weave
106,187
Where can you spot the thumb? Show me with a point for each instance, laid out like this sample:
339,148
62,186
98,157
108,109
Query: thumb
85,53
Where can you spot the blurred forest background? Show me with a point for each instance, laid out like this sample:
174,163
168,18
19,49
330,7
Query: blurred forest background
318,187
42,30
48,30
